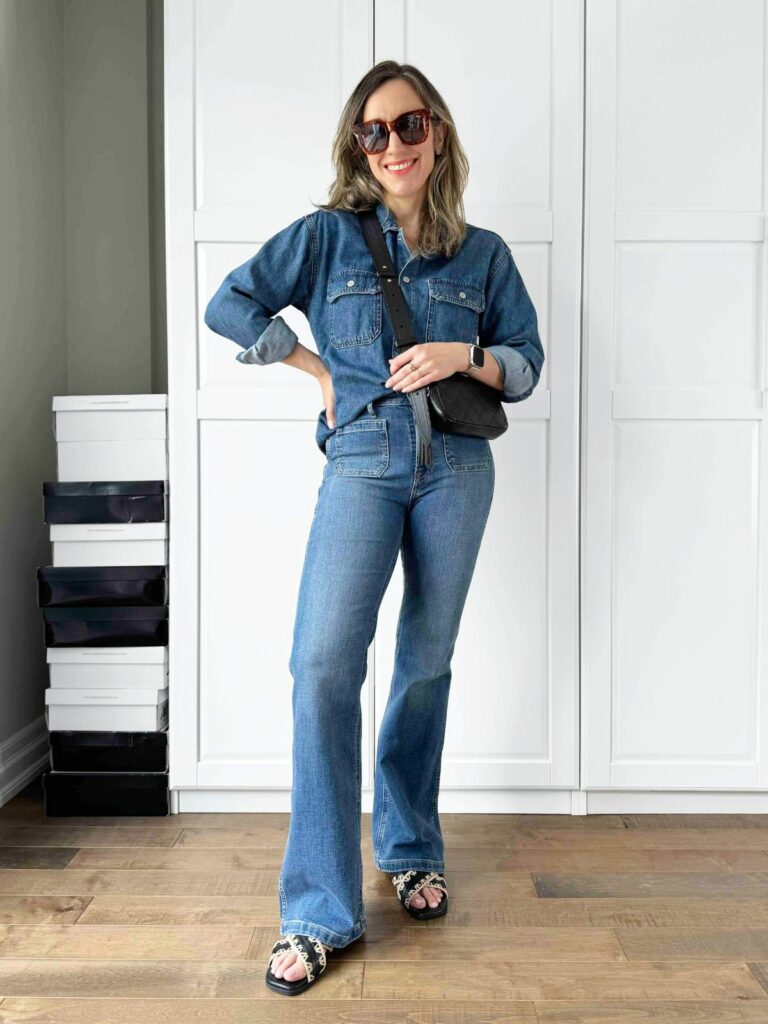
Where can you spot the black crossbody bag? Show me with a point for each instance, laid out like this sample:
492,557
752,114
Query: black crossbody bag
457,404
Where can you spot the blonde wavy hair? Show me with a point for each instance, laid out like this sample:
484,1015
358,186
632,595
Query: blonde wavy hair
442,226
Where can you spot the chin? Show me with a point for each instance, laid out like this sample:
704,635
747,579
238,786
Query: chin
406,189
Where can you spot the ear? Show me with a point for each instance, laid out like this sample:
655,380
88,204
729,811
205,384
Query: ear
440,141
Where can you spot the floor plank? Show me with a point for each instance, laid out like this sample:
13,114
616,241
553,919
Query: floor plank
636,1011
459,979
125,979
692,884
276,1010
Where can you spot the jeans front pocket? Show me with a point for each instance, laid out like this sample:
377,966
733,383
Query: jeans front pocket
354,308
360,449
464,452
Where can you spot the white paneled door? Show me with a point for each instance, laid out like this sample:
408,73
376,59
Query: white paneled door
513,712
253,96
674,463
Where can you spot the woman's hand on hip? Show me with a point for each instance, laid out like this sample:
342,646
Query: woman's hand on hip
326,386
433,360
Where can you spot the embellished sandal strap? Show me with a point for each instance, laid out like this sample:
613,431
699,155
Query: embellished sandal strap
438,882
281,946
408,883
310,949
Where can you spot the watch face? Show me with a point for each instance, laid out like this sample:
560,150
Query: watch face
478,356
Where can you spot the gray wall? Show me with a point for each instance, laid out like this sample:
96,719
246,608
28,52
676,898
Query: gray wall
81,281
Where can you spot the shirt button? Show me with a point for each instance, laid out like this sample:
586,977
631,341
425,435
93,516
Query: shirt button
407,280
350,283
462,295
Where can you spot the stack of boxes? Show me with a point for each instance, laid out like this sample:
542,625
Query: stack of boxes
105,607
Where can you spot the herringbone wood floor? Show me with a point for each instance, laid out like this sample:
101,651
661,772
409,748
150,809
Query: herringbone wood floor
615,919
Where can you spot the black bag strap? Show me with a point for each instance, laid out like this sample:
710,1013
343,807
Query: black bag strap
393,293
401,323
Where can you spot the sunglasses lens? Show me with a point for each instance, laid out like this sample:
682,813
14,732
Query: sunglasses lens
373,138
412,128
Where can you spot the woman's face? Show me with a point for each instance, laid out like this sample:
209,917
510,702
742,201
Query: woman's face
389,101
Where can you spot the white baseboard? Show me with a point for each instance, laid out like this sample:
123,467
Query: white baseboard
496,801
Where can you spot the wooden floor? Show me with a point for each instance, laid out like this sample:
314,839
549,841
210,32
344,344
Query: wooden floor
615,919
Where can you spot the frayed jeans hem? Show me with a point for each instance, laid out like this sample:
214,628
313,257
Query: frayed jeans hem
413,864
326,935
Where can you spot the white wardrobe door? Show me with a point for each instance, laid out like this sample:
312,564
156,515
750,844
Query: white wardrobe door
675,465
511,74
253,94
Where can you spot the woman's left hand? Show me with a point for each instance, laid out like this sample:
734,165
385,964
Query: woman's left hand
433,360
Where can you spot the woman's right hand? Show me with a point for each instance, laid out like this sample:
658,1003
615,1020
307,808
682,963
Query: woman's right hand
326,386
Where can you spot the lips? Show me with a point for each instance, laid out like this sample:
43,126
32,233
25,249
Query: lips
403,170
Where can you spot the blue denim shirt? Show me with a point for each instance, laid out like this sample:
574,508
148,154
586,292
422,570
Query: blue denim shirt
321,265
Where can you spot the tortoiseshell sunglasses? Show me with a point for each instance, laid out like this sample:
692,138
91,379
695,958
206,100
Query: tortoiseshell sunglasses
412,128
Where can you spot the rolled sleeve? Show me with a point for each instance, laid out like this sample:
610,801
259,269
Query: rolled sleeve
246,305
277,342
516,371
509,329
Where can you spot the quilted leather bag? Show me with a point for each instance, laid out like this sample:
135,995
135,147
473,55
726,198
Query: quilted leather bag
457,404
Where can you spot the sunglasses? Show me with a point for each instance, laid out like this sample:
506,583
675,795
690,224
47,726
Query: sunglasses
411,127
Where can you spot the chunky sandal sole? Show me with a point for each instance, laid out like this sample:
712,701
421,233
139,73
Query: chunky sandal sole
310,950
408,883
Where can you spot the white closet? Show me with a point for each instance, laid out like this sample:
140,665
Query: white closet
674,469
610,644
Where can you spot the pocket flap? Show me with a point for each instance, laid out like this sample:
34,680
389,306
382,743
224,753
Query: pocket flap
461,294
354,282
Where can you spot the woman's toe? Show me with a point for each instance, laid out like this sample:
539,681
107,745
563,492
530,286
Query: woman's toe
290,967
296,971
432,895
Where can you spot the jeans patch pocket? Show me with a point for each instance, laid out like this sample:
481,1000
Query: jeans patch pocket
354,308
454,310
464,452
360,449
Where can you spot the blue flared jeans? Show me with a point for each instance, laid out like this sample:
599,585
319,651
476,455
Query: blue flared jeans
376,502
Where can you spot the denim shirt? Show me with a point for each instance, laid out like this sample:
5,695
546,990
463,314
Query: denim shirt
321,265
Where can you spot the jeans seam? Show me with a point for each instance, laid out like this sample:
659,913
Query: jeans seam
436,791
398,637
384,804
281,890
378,603
358,776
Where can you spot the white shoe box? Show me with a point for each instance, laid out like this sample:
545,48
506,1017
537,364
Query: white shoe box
128,668
112,460
106,710
111,437
109,543
110,417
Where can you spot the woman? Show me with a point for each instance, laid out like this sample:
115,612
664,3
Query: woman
382,495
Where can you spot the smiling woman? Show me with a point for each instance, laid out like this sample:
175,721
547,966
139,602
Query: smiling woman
397,153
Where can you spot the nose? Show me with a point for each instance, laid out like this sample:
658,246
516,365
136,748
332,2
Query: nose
398,152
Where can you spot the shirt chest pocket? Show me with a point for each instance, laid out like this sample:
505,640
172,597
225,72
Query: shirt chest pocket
354,308
454,310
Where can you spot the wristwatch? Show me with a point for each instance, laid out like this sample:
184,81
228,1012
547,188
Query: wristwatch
476,357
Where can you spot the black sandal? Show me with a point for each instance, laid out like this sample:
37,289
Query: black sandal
408,883
310,950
